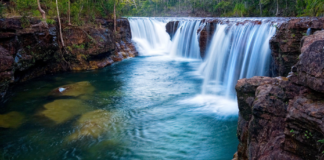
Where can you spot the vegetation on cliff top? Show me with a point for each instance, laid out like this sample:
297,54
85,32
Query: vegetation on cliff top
89,9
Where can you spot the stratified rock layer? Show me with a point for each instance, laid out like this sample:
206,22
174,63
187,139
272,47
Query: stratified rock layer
282,118
26,53
285,44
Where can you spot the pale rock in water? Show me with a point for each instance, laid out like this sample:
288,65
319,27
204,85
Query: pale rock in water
92,124
62,110
11,120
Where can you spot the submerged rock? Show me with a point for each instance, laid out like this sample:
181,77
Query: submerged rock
62,110
11,120
92,124
82,89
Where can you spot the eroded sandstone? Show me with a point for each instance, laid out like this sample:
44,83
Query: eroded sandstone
282,118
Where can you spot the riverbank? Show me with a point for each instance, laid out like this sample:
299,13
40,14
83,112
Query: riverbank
28,52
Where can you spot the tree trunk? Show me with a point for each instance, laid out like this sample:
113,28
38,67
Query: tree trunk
69,13
277,14
80,10
179,7
43,23
41,10
260,9
59,20
115,21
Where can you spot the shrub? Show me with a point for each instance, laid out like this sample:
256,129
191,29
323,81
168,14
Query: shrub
50,21
24,21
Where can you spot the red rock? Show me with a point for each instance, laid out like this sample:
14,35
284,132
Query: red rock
282,118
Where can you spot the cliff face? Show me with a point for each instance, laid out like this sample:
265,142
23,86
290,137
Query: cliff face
285,44
27,52
282,118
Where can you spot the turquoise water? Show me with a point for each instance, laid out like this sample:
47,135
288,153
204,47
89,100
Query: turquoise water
140,108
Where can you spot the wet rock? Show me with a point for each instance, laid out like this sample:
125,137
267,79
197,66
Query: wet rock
59,111
6,67
285,44
92,124
205,33
282,118
11,120
80,89
171,28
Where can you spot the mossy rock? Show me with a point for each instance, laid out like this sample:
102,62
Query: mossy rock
62,110
11,120
92,124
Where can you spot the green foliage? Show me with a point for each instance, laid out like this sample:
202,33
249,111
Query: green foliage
223,6
239,9
86,11
293,132
2,10
81,46
50,21
321,141
85,57
24,21
310,7
308,134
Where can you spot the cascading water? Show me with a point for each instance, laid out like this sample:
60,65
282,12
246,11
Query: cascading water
185,41
149,36
235,52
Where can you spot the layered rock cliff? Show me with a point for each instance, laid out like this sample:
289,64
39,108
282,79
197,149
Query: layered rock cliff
283,117
285,44
27,52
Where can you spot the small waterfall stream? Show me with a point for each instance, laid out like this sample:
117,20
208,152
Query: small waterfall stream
149,36
185,41
236,52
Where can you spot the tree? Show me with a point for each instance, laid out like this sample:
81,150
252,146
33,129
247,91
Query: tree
260,8
43,23
115,17
69,12
239,9
59,20
277,13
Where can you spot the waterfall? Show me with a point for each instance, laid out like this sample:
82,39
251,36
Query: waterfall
235,52
149,36
239,48
185,40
